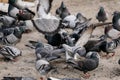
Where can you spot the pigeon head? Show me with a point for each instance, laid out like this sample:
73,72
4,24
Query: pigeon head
92,55
78,15
101,8
1,19
60,9
116,12
22,29
102,11
39,45
62,5
111,46
116,20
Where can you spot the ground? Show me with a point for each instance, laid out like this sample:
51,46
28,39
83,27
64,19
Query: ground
108,69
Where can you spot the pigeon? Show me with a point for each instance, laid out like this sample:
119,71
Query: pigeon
109,47
116,20
43,66
111,33
46,51
25,15
62,11
59,38
54,39
81,18
93,45
43,7
12,36
80,29
7,20
10,52
90,63
52,78
119,61
45,21
12,11
102,16
44,54
73,21
69,21
18,78
20,14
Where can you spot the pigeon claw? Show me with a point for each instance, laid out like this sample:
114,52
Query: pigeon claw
86,76
110,56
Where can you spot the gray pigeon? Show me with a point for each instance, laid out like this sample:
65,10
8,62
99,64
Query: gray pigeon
44,7
10,52
52,78
109,47
111,32
44,54
43,66
102,16
20,14
116,20
46,51
62,11
81,18
12,36
18,78
90,63
7,20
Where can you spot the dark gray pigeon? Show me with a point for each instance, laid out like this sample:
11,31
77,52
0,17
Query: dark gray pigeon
116,20
46,51
102,16
18,78
90,63
59,38
109,47
81,18
62,11
93,45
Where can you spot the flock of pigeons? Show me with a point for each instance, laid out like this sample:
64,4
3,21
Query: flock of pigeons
77,44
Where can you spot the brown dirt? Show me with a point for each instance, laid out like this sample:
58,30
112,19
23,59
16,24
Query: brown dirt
108,68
